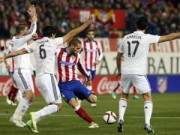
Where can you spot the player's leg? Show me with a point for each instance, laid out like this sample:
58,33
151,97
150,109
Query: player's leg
8,97
48,87
80,111
113,94
69,94
24,83
19,96
83,93
89,84
148,108
125,84
142,85
14,93
135,95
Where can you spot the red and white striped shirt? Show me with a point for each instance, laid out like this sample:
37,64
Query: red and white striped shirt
68,65
92,52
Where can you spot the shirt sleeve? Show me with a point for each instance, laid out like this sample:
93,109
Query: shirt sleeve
30,48
58,41
82,69
153,38
31,31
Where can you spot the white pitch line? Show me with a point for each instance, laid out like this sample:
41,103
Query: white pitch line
133,117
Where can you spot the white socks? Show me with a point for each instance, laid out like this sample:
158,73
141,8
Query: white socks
46,111
148,107
122,108
77,107
21,108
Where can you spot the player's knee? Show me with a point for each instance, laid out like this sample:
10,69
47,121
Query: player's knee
59,106
93,98
125,95
29,95
147,96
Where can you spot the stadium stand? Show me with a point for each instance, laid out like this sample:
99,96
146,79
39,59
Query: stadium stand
161,13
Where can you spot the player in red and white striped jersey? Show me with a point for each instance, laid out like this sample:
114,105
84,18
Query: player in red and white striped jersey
68,73
92,56
68,60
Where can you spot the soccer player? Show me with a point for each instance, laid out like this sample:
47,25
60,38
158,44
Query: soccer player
68,60
44,50
134,49
92,56
10,98
22,73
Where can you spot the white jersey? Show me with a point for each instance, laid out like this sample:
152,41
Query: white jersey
135,48
23,61
44,51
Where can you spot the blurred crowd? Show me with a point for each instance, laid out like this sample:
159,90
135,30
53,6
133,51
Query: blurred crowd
163,15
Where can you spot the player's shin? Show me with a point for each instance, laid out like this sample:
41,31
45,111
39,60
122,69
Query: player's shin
83,114
47,110
148,108
122,108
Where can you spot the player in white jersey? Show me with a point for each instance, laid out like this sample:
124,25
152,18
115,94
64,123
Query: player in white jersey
92,51
10,98
44,50
22,73
132,65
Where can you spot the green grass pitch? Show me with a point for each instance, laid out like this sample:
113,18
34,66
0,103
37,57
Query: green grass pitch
165,119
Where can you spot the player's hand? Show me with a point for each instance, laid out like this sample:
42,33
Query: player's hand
35,36
89,78
118,75
1,60
32,13
97,62
31,10
89,20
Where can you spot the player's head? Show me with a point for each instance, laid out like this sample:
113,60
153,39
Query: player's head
49,31
90,35
142,23
21,29
74,46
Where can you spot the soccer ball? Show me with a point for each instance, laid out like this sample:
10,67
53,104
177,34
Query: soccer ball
109,117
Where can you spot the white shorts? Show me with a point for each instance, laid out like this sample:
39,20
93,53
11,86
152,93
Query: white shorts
140,82
23,79
48,87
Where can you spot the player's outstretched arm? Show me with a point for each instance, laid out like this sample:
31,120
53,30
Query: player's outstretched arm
76,31
33,27
169,37
13,54
32,13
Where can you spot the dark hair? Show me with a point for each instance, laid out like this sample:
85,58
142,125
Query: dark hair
74,41
20,27
48,31
142,23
